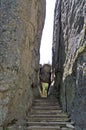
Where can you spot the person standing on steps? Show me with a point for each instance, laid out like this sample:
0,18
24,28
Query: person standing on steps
45,76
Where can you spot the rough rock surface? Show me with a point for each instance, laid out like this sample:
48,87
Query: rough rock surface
21,24
69,58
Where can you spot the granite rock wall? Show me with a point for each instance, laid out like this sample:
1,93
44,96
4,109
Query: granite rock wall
21,24
69,58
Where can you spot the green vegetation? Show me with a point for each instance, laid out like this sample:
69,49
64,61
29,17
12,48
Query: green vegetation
82,48
45,87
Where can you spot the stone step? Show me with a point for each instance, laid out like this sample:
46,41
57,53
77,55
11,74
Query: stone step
48,115
44,128
53,119
38,128
46,111
49,128
46,104
46,107
46,100
62,124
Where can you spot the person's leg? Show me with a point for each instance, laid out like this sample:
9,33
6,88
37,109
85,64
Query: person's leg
48,88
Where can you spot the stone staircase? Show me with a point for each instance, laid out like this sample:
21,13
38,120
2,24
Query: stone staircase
47,114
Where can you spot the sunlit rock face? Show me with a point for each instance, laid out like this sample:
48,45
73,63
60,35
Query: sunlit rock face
21,24
69,57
